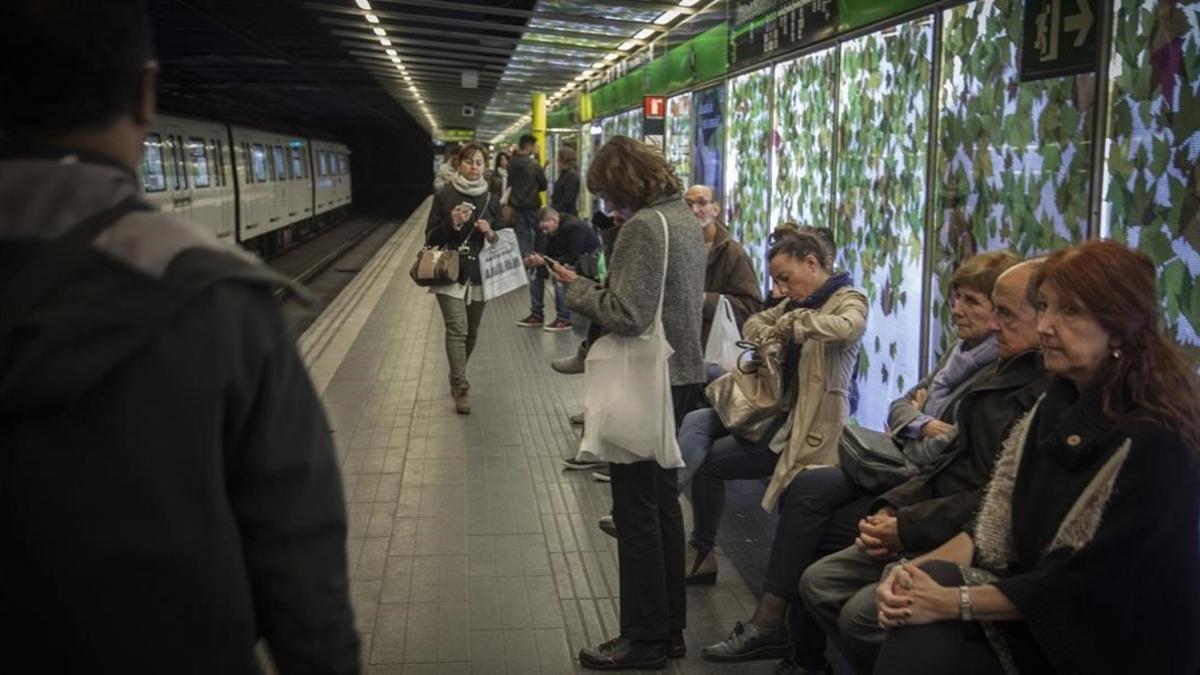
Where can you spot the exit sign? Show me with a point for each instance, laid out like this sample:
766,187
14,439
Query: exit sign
1061,38
654,107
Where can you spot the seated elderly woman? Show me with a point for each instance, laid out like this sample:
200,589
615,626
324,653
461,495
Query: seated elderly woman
1084,556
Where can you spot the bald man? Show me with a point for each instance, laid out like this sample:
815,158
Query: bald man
728,271
934,506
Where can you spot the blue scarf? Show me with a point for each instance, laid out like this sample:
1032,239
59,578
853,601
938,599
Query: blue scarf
821,295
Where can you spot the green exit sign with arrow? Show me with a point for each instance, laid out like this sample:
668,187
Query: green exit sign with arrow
1061,38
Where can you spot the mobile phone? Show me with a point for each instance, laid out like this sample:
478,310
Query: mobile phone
549,261
468,206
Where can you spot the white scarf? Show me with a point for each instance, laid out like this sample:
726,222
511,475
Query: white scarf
473,188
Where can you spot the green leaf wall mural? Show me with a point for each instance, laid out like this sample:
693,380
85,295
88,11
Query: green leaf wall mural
883,137
805,90
679,136
748,164
1012,157
1152,197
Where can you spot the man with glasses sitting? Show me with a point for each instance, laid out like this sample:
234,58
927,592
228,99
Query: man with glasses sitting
728,271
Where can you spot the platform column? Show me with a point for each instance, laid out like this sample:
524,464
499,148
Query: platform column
538,125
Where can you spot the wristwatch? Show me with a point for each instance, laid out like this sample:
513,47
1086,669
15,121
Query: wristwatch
965,610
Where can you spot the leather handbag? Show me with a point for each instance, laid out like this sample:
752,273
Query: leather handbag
435,267
750,399
872,459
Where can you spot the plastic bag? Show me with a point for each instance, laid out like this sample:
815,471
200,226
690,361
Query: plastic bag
723,337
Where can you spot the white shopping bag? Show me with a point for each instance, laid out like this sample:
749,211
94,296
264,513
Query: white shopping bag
500,265
629,415
723,336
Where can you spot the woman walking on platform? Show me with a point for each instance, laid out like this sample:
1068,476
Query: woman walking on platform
464,214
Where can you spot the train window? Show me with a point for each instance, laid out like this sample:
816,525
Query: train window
219,153
198,153
324,163
280,164
154,178
297,163
258,162
342,163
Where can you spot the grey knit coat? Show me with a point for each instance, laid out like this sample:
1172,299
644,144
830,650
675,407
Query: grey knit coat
627,301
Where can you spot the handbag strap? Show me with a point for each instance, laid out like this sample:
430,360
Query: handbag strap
662,291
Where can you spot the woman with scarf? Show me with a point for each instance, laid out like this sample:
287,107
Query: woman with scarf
823,319
464,214
1083,557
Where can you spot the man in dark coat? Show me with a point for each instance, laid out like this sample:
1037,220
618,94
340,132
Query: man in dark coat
169,492
940,502
525,181
728,271
563,238
564,198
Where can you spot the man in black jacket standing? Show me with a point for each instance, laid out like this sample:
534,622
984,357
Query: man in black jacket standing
564,198
930,508
525,180
169,492
562,238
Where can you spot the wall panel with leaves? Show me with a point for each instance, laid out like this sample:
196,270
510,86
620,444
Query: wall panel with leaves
883,134
679,136
805,91
748,164
1152,199
1012,164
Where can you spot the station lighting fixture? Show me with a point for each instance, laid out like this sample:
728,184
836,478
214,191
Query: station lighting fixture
379,31
385,42
371,18
363,4
392,54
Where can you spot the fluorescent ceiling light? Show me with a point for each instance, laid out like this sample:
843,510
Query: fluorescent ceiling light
363,4
385,42
390,52
598,65
688,3
666,17
643,33
371,18
396,59
379,31
612,56
627,45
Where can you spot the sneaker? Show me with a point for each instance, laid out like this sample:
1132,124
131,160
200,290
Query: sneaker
748,642
602,474
531,321
624,654
609,526
576,419
573,464
558,326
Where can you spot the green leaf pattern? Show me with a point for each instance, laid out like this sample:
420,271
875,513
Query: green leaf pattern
883,134
802,170
1152,197
1012,163
748,164
679,136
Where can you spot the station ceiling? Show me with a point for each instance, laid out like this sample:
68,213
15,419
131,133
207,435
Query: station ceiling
326,64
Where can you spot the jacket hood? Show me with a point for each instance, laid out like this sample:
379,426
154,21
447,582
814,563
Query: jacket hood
109,301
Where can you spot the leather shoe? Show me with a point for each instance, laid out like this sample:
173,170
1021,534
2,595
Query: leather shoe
790,667
676,648
608,525
699,568
624,654
748,642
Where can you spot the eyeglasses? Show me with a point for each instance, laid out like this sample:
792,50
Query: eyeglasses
697,202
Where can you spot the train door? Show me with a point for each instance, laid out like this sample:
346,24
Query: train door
282,184
177,171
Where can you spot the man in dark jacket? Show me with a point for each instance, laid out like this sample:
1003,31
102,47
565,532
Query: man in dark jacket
525,181
564,198
562,238
937,504
728,271
169,492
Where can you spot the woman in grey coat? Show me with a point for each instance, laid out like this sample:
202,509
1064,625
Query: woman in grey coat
636,182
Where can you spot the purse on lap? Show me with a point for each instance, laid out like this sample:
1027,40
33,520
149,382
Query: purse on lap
751,397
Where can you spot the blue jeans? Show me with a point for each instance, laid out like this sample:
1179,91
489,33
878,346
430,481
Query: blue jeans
729,458
537,297
699,430
525,223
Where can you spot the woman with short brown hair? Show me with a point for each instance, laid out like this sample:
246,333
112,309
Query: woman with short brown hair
1084,557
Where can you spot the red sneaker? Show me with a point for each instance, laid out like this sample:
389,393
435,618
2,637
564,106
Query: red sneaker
531,321
558,326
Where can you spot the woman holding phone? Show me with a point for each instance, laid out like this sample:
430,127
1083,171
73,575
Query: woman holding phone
464,214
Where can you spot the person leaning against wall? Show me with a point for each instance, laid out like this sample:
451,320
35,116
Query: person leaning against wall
464,214
637,182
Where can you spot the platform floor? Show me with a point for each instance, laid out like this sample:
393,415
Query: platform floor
470,549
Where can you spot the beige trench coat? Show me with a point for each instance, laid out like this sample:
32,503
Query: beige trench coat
830,337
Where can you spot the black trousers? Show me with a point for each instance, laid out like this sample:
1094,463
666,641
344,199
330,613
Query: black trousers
650,546
942,648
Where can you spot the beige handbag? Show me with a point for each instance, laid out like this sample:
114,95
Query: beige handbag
750,398
435,267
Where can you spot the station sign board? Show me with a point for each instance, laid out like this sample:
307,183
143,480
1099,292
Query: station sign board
762,28
1061,38
456,135
654,119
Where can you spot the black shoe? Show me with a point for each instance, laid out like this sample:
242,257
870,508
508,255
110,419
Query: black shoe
748,642
624,654
573,464
608,526
790,667
576,419
676,648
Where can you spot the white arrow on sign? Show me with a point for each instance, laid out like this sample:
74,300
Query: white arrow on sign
1081,22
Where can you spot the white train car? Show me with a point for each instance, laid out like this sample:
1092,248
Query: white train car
187,170
273,179
331,170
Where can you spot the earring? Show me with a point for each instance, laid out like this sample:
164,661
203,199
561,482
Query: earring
1116,353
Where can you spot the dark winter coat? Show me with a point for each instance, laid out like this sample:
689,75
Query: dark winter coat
169,492
441,233
729,273
572,239
525,180
564,198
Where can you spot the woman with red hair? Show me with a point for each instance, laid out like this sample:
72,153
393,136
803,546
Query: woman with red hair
1085,556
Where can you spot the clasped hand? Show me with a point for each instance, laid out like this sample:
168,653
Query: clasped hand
879,535
908,596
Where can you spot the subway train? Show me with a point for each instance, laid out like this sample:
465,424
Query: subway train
262,189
